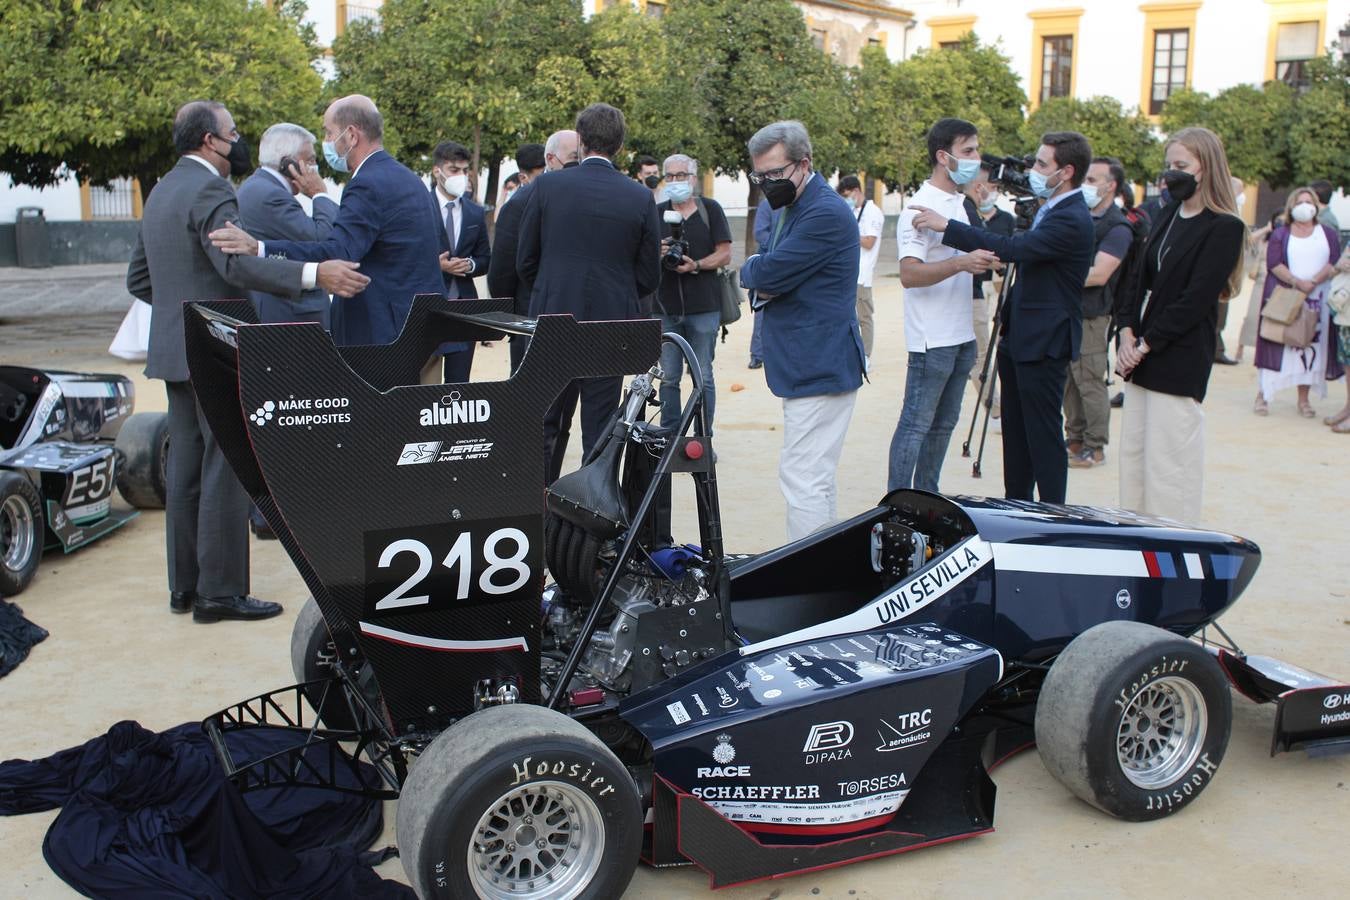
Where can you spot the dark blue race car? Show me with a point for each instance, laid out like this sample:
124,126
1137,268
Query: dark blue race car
838,698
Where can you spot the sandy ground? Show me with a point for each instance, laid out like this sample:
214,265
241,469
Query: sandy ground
1264,827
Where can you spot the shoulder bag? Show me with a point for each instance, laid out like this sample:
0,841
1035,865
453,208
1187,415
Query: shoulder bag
728,282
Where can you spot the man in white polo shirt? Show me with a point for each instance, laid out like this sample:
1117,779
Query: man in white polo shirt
870,224
939,333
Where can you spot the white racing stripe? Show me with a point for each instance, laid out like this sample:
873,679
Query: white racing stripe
1193,567
1052,560
429,643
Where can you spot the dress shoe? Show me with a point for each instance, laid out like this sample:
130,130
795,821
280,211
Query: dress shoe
756,363
213,609
1118,400
181,601
1222,360
262,532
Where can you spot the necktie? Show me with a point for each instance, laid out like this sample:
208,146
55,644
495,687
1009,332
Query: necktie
453,290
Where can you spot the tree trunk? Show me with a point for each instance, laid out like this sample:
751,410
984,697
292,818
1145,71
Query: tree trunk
473,168
494,169
752,203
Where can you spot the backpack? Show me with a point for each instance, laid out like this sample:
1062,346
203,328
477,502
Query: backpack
1125,280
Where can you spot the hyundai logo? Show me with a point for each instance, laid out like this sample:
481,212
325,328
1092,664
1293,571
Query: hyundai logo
1331,701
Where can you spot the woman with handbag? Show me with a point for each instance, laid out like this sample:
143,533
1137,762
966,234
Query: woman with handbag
1300,256
1166,343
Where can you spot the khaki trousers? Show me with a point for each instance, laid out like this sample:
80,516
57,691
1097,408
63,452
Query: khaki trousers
1162,454
1087,407
865,312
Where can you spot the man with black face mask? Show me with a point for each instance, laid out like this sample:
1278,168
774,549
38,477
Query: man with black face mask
649,175
206,507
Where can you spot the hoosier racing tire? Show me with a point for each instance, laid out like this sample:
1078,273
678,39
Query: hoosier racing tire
1134,720
22,531
143,443
519,802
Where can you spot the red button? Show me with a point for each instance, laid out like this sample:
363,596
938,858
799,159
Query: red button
693,450
587,696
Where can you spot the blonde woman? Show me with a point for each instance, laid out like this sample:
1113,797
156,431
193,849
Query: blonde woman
1302,256
1165,350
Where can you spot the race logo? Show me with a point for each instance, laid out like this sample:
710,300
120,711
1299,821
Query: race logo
454,410
307,412
828,742
724,753
723,771
439,451
908,730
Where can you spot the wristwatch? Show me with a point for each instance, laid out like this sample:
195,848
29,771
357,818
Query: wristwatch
698,267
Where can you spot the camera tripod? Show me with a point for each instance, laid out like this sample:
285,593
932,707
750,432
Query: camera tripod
988,376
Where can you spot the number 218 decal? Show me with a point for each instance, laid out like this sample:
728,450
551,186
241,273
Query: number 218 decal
412,570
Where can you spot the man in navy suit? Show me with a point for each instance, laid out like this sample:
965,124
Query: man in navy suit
591,243
386,223
804,282
466,252
1041,326
267,206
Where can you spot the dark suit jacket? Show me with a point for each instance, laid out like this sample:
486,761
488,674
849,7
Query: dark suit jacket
270,212
1179,324
1043,315
590,242
174,260
388,225
471,243
812,345
503,279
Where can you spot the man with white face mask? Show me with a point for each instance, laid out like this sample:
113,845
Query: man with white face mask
466,237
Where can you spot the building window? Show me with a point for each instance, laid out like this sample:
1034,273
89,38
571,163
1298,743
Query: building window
656,8
1056,66
116,201
1170,48
818,38
874,42
949,45
1295,44
348,13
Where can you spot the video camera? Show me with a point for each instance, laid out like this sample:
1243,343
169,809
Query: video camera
678,248
1011,174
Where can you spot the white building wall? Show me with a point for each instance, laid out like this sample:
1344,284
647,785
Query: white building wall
60,202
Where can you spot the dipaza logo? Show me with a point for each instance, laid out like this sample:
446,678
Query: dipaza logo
828,736
453,409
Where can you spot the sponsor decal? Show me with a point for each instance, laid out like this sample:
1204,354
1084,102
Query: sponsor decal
773,694
828,742
1334,718
702,707
1331,701
724,772
678,714
453,409
1187,788
307,412
759,792
874,785
724,698
1123,598
440,451
724,753
911,729
528,768
1164,666
764,805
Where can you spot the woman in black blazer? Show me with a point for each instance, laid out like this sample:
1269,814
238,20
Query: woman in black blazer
1165,347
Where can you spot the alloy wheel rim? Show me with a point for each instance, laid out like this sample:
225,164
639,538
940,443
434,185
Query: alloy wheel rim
16,533
537,841
1159,736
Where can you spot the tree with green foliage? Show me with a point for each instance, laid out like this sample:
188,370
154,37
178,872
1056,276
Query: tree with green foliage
1112,130
89,87
487,73
1253,123
1319,133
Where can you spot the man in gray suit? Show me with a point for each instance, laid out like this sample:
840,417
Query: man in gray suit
174,261
268,206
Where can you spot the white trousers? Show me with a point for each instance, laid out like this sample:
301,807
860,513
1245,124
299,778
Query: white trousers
813,439
1162,454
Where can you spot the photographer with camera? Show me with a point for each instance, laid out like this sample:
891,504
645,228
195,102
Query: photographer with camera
939,332
695,243
1040,325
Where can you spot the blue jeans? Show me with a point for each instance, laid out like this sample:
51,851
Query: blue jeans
700,330
933,388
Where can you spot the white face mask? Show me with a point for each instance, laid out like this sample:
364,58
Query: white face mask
455,185
1303,212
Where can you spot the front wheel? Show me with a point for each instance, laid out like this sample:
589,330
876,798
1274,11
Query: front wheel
519,802
1134,720
22,530
144,445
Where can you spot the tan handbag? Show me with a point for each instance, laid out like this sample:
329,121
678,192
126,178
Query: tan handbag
1297,334
1283,305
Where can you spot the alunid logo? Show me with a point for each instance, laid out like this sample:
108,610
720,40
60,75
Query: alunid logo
828,742
911,729
453,409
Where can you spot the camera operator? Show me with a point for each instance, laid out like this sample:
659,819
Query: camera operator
692,251
939,335
983,194
1087,407
1041,323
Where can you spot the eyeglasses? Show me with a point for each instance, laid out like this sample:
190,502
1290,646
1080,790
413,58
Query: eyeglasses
772,174
678,176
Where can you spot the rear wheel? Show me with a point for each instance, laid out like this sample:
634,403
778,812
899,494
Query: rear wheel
143,443
519,802
1134,720
22,530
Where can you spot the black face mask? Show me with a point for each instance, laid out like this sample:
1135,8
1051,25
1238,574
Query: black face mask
571,164
652,181
239,158
1180,185
779,191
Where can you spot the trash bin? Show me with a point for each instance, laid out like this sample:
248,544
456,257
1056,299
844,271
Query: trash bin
32,246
